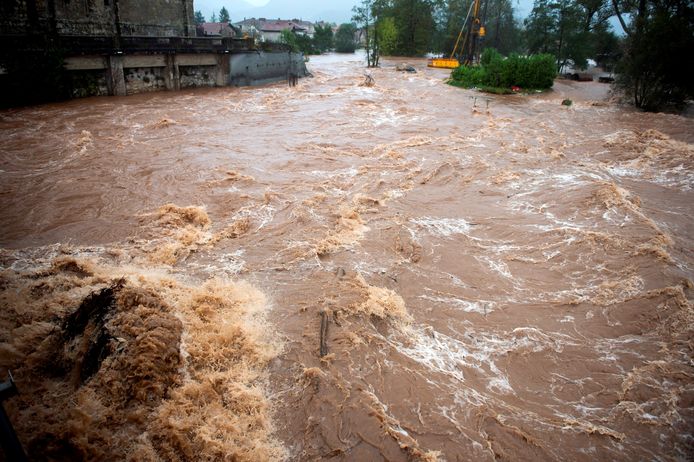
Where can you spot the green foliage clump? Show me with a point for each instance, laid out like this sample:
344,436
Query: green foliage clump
468,76
323,39
344,38
298,43
535,72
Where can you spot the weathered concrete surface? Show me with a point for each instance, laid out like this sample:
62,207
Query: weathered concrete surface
260,68
116,77
144,61
167,18
205,59
85,63
145,79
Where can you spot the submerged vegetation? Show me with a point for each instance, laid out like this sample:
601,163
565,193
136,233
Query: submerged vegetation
497,74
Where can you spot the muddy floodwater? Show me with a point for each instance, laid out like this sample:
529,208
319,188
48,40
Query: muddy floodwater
335,271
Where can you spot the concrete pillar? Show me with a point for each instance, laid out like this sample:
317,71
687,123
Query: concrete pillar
223,70
172,75
116,77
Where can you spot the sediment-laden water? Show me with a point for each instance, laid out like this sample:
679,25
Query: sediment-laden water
487,277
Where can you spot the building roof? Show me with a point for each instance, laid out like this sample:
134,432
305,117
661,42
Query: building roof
280,25
213,28
276,25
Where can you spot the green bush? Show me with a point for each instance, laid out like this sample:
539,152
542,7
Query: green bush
468,76
535,72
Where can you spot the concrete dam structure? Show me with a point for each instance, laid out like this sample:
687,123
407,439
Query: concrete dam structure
125,74
68,50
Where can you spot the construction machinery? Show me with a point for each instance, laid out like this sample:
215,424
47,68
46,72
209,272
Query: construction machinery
473,32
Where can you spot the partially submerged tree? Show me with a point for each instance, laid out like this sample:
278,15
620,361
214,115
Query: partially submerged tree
364,17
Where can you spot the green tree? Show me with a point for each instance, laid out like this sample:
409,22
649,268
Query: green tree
607,47
199,18
388,36
558,27
368,17
415,26
572,30
503,31
323,38
224,15
344,38
288,38
655,71
297,43
213,18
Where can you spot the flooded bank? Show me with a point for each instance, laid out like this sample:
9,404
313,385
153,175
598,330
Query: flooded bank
488,277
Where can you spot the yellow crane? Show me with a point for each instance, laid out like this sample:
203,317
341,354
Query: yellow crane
474,33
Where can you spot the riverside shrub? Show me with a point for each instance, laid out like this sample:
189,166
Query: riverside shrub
534,72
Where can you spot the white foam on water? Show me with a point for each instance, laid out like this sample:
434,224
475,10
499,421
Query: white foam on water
232,262
261,215
443,226
347,172
393,194
500,382
448,355
497,266
386,116
621,171
481,306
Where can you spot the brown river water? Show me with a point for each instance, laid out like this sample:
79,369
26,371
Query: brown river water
407,271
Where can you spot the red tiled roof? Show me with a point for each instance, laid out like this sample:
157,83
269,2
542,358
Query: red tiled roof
213,28
278,26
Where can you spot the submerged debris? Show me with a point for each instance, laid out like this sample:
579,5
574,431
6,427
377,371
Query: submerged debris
368,81
406,68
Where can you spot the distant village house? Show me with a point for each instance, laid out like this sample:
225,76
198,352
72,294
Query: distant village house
217,29
270,30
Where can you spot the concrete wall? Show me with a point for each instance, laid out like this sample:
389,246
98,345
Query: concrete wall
144,79
129,74
260,68
140,73
159,18
163,18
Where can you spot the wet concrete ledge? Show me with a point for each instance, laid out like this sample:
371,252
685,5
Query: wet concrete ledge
100,66
131,74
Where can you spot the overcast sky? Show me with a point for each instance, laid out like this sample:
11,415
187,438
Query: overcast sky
337,11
